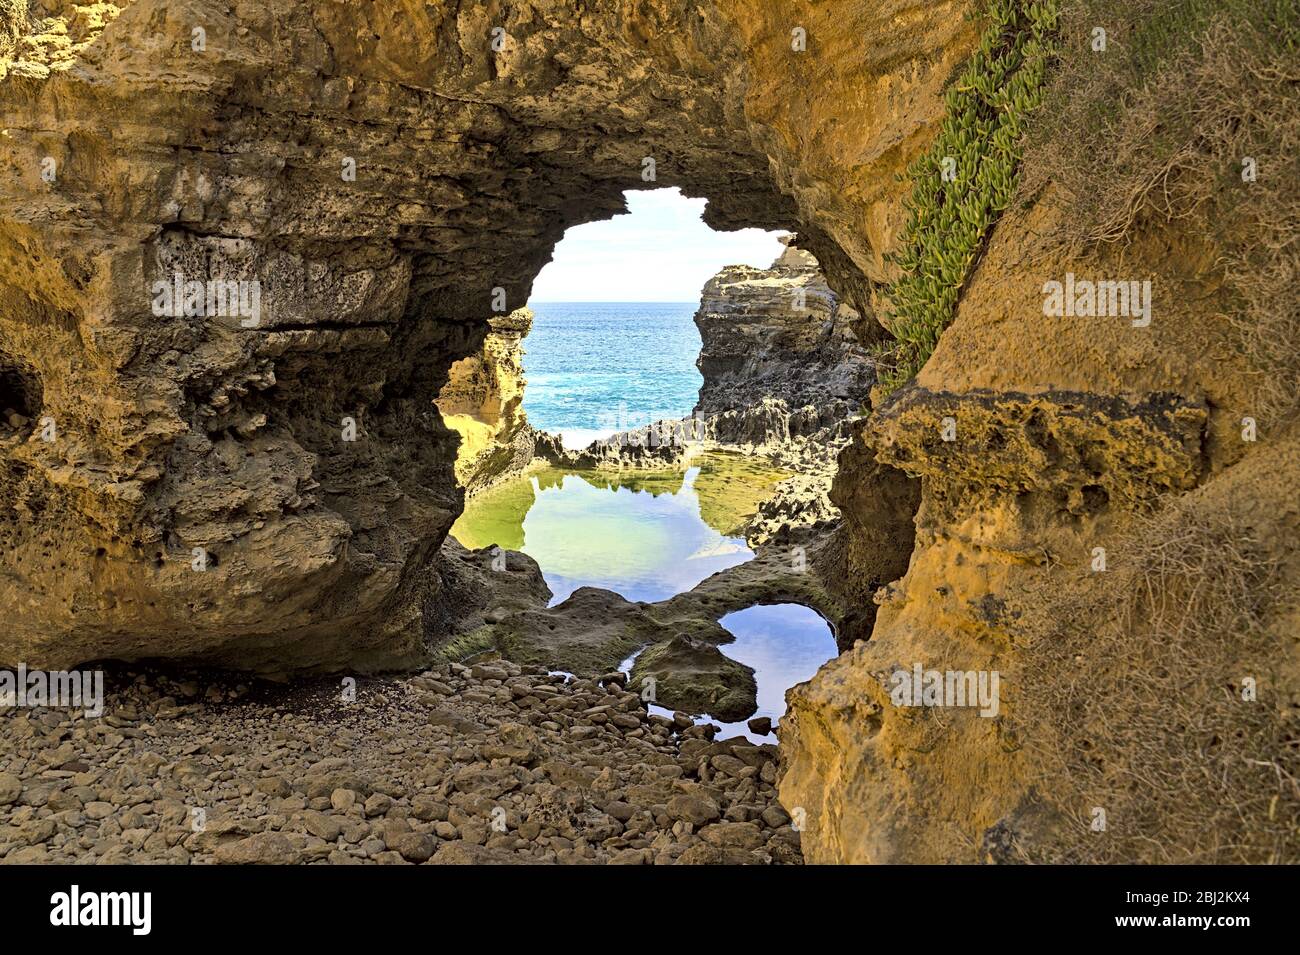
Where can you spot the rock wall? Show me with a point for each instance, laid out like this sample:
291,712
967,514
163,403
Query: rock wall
786,370
483,401
780,335
1094,528
381,175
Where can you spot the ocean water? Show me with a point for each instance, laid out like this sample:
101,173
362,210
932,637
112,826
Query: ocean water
594,368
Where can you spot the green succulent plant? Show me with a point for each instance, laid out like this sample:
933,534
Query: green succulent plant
948,219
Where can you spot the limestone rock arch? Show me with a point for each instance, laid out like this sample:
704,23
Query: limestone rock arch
217,141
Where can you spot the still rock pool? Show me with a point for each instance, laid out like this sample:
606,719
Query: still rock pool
785,644
644,535
649,536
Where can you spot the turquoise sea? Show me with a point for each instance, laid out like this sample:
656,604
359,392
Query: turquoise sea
594,368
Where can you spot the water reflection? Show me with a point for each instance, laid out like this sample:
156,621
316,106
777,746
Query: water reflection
645,535
784,644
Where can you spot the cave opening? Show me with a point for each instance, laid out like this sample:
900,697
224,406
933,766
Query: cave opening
21,393
648,318
607,346
615,344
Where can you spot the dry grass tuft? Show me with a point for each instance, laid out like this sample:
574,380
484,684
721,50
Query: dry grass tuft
1156,130
1145,718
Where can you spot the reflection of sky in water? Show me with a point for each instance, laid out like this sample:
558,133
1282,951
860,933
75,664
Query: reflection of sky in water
785,644
640,545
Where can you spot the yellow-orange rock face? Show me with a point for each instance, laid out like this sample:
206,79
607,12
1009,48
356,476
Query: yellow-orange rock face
1094,528
483,400
381,173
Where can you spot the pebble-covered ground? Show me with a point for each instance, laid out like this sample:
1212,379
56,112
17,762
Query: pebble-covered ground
491,763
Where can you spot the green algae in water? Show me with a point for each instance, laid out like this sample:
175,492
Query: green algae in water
496,516
645,535
730,488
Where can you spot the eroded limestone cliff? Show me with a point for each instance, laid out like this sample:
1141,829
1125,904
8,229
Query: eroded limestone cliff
382,174
1104,511
780,336
786,370
482,402
1105,519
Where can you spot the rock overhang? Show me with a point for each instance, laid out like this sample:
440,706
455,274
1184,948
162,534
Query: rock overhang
382,176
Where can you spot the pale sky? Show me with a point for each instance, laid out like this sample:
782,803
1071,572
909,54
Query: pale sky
660,252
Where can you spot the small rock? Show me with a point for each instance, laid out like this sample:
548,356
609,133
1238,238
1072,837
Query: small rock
98,810
28,855
446,830
620,810
322,826
428,808
775,817
264,848
10,788
481,671
729,765
733,835
695,808
273,786
415,846
629,857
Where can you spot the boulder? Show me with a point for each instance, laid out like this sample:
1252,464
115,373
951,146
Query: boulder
696,677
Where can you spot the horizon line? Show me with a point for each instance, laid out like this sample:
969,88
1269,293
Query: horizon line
612,301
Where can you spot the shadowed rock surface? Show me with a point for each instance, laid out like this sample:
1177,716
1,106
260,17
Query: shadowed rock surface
236,162
695,677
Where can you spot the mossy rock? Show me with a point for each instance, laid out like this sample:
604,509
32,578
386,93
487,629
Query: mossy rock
696,677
